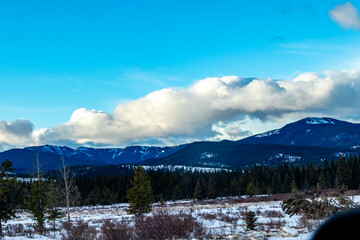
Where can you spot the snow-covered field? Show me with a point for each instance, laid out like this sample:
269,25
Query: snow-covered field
220,217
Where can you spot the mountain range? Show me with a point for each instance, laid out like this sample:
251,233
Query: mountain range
307,140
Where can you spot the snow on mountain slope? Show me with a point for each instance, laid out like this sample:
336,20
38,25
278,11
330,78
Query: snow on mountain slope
50,156
267,134
323,132
319,121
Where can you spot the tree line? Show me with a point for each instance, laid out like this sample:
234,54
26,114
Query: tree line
167,185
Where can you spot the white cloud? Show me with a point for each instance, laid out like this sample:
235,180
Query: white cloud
18,133
211,108
347,16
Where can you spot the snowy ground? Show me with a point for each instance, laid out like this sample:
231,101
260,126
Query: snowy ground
221,217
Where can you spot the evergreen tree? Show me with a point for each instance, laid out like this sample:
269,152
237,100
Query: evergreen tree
286,187
9,193
37,203
294,188
251,189
276,185
321,184
250,220
52,204
140,193
327,174
210,189
343,173
234,187
198,191
311,176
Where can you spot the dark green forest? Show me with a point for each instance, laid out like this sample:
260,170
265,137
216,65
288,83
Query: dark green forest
109,184
343,174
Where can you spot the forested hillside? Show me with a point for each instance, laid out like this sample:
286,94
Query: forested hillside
166,185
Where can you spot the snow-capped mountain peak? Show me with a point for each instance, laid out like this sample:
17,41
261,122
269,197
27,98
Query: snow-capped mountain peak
313,120
311,131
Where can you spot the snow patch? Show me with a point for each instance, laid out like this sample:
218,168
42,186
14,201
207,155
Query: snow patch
285,157
208,155
342,154
184,168
269,133
319,121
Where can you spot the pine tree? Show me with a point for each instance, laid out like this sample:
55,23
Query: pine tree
37,198
327,174
251,189
343,173
210,189
276,185
321,184
293,186
197,191
37,203
200,189
140,194
9,193
286,188
311,175
250,220
52,204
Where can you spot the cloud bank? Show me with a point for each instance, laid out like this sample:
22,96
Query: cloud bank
211,108
347,16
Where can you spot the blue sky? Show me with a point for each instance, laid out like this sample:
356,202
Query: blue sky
57,57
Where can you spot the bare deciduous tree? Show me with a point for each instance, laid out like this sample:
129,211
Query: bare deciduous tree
71,193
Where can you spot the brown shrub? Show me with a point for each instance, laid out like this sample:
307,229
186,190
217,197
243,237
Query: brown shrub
226,218
242,211
304,221
162,225
272,214
275,223
209,216
13,230
115,231
78,231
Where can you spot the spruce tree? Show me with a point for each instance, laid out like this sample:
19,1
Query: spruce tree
197,191
52,204
9,193
293,186
250,220
37,203
343,173
251,189
276,185
286,187
321,184
140,194
210,189
200,189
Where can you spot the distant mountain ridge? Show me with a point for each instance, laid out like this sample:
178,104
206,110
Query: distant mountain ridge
50,156
309,139
320,132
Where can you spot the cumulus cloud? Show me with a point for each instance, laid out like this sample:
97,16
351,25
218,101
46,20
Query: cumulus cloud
193,111
18,133
211,108
347,16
